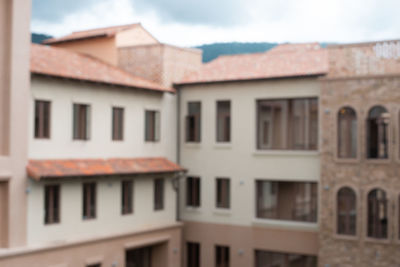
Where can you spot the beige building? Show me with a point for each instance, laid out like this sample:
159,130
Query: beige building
249,137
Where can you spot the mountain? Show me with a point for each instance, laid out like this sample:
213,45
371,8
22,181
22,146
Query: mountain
38,38
212,51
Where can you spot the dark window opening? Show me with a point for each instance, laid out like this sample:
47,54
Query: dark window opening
346,211
193,124
117,124
81,122
152,125
223,193
127,197
158,194
277,259
193,254
193,191
221,256
377,214
290,124
140,257
42,119
347,133
377,133
223,121
89,201
52,204
294,201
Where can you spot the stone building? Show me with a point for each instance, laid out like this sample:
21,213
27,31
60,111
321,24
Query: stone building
359,184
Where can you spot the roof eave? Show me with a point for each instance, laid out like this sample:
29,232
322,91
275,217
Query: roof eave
166,90
251,79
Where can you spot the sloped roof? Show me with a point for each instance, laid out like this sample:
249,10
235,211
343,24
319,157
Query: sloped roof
42,169
62,63
93,33
287,60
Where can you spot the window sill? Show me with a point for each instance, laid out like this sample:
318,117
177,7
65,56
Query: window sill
282,224
346,237
347,160
192,209
223,145
194,145
222,211
312,153
378,161
377,240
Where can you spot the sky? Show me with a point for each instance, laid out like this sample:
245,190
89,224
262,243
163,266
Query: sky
196,22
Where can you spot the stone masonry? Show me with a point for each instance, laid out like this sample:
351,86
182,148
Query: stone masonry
361,76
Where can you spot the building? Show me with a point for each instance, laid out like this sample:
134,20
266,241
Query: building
123,151
360,189
252,182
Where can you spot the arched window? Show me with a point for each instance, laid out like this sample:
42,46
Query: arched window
377,133
377,214
346,211
347,133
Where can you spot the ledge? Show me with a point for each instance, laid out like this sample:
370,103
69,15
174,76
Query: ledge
285,153
290,225
10,252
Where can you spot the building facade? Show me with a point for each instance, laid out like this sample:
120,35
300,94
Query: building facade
123,151
359,156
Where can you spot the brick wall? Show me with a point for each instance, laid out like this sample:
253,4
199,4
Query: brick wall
361,174
160,63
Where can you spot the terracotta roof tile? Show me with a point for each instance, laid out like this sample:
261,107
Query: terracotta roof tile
42,169
60,62
93,33
287,60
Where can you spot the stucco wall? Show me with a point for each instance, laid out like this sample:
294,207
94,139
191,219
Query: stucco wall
239,160
102,48
14,89
63,94
108,221
109,251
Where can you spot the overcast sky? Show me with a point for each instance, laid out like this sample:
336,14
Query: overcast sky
194,22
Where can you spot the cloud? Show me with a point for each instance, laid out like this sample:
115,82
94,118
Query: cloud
197,12
56,10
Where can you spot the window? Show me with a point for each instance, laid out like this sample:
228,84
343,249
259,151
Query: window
193,191
52,204
193,122
117,124
223,193
223,121
81,122
94,265
42,119
377,214
377,133
295,201
277,259
221,256
346,211
287,124
140,257
89,201
152,127
193,254
158,194
127,197
347,133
